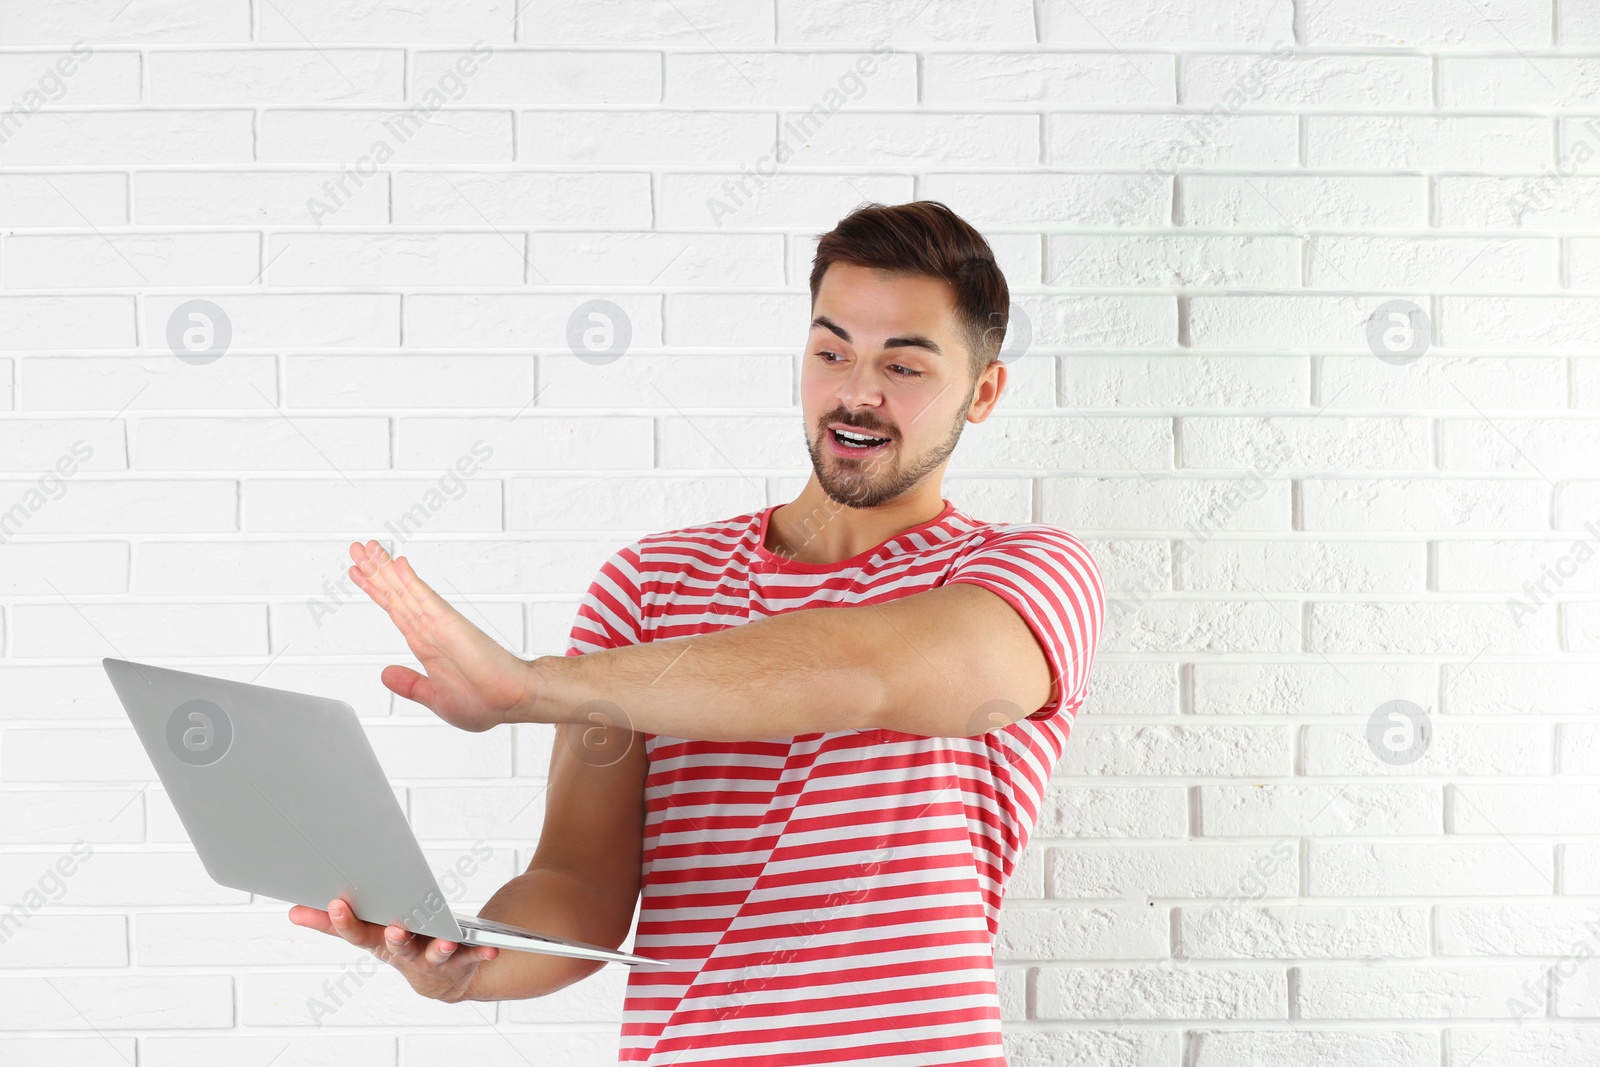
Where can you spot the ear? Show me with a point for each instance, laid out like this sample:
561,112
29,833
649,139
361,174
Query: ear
991,383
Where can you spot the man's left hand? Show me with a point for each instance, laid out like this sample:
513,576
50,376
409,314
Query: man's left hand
472,681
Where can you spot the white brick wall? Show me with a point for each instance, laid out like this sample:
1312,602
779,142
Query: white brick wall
1199,204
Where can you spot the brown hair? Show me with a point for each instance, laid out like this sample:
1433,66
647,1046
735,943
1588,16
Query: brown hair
926,237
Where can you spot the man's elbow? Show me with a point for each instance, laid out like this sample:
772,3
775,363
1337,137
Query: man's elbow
911,699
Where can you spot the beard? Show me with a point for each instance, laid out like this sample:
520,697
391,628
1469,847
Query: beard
878,479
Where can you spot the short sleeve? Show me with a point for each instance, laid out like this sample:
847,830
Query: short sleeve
1050,578
611,613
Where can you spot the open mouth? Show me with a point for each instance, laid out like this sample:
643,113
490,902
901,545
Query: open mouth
858,443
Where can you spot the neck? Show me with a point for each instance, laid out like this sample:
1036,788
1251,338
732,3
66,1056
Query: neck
814,528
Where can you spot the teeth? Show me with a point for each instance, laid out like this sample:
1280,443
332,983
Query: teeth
858,439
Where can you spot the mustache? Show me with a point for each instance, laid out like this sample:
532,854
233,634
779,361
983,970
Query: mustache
863,427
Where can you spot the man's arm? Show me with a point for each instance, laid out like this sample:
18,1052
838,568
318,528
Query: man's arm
1013,629
583,881
922,664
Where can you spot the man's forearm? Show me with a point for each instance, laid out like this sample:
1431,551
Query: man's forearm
547,901
800,672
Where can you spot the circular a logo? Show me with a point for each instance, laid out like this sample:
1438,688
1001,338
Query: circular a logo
199,332
599,332
603,736
1399,332
1018,333
199,732
1399,732
990,717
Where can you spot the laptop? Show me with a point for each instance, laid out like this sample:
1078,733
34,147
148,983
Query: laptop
283,796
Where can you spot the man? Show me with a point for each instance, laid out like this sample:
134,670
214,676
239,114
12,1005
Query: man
816,736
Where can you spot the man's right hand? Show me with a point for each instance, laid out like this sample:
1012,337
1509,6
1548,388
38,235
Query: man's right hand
436,968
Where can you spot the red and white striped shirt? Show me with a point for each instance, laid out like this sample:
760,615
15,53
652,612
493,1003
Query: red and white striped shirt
834,897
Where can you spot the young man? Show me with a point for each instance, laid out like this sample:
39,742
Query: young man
816,736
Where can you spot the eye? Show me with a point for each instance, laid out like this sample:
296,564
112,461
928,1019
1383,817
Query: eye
900,370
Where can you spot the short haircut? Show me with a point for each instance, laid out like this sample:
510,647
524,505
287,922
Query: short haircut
926,237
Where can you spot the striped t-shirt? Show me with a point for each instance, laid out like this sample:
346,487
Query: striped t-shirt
833,897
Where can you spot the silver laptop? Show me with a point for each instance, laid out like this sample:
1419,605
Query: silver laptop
283,796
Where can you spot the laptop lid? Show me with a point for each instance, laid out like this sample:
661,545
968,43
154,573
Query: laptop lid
282,795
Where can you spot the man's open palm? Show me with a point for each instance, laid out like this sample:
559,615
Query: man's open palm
471,681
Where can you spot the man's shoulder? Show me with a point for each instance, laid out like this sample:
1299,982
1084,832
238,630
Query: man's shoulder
1028,548
1022,535
672,547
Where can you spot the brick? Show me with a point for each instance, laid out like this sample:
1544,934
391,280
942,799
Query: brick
118,1002
112,22
541,76
80,138
1303,931
1330,810
1115,994
834,22
388,21
1271,80
131,260
1394,1048
260,197
1451,869
1412,991
1054,78
1302,201
1303,566
1414,23
1177,750
1252,22
866,78
279,75
1172,260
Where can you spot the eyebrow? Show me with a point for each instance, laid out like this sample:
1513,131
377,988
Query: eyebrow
915,340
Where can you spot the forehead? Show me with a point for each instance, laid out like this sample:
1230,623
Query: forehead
874,303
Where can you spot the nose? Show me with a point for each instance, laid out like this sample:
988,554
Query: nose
857,392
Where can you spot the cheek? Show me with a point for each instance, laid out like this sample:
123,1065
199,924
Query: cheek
816,398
